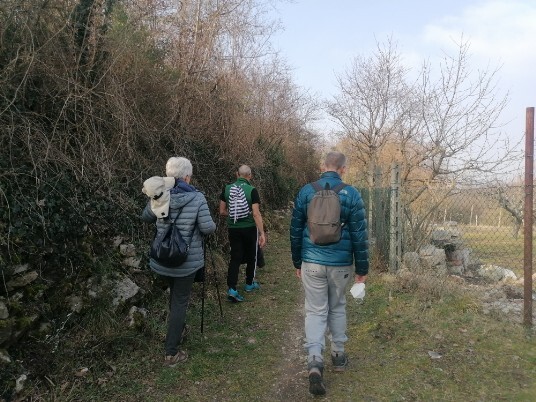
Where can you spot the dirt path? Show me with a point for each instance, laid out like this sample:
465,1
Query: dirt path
292,382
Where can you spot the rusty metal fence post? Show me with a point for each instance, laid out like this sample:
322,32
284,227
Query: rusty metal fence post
528,216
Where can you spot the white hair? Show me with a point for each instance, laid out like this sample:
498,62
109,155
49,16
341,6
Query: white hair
178,167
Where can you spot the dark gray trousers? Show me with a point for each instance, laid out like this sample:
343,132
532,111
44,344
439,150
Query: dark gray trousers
179,296
243,242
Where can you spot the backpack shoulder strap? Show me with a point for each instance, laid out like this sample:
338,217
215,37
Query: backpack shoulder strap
339,187
172,221
316,186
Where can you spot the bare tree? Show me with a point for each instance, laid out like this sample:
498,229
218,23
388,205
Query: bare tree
444,128
370,106
461,112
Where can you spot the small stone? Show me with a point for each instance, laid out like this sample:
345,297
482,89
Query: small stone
19,384
117,241
82,372
18,269
4,313
434,355
22,280
75,303
4,356
132,262
128,250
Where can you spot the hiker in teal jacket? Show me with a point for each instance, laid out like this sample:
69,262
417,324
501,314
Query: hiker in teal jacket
325,270
353,246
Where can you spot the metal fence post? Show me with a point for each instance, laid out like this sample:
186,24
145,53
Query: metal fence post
528,216
395,238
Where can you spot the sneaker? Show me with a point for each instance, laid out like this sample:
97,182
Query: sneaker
316,383
172,361
234,296
340,361
185,332
254,286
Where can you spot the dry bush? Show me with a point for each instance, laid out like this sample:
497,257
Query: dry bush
424,286
96,96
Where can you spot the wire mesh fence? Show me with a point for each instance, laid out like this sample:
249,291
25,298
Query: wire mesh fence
473,226
489,224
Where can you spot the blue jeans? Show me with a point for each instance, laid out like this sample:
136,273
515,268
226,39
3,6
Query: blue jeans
325,307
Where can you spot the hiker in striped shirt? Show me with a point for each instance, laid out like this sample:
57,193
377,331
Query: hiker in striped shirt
240,202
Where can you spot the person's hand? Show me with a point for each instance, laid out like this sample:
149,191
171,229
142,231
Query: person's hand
298,273
360,278
262,240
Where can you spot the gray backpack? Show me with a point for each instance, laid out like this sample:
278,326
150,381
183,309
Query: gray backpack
324,214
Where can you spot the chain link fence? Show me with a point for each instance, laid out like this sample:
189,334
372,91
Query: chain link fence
471,226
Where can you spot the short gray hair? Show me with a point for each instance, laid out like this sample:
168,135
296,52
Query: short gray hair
335,160
178,167
244,171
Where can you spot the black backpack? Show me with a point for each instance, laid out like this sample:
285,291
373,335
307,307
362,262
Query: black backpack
168,247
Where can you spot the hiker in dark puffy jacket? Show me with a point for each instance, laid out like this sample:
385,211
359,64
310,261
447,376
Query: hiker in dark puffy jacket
325,270
193,223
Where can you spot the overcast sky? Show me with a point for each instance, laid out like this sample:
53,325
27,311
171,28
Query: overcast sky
320,38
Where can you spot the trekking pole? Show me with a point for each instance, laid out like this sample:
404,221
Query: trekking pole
203,287
215,279
203,303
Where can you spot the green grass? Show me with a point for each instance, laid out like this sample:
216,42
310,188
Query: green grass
494,245
255,352
482,358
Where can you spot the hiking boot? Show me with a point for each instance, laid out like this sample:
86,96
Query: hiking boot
254,286
172,361
185,332
316,383
234,296
340,361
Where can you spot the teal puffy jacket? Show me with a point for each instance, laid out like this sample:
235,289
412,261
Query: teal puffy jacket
353,246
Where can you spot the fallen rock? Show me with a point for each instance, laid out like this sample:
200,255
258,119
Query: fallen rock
124,289
132,262
495,273
4,313
23,280
4,357
128,250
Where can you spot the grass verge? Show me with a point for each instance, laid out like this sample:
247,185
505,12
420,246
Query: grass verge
414,338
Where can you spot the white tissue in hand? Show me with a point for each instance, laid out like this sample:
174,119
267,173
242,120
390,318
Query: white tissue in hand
358,290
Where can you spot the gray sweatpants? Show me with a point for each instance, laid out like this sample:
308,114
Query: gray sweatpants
325,307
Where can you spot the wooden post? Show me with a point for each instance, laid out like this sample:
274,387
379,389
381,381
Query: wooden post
528,217
471,218
395,238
